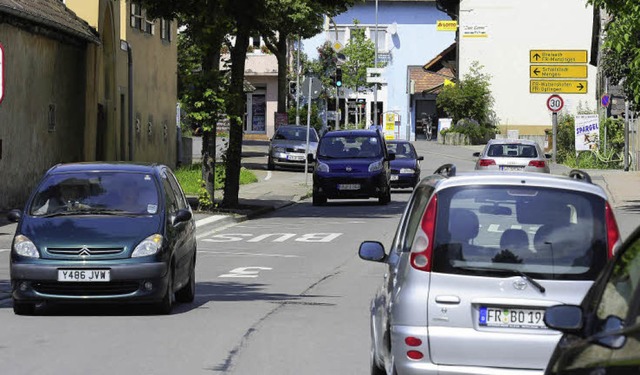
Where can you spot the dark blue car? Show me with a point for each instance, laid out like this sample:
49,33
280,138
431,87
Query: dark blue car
352,164
405,169
104,232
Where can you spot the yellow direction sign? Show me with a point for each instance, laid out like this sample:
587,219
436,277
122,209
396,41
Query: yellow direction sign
558,71
578,86
447,25
557,56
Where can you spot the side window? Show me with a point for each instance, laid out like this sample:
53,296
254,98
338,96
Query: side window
170,197
419,204
621,285
177,191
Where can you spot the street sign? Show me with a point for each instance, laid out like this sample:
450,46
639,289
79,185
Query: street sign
605,100
446,25
337,46
555,103
558,86
374,75
1,73
557,56
558,71
316,87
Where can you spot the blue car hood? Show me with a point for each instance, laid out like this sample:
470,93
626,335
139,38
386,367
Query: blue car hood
403,163
356,164
76,231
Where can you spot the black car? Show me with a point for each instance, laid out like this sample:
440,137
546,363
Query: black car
405,169
602,334
352,164
104,232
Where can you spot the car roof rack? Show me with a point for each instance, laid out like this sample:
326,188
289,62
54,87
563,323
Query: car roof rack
580,175
447,170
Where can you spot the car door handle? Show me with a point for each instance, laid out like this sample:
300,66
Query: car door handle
449,300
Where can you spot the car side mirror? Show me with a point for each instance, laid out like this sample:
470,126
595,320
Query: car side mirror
14,215
372,251
476,154
391,157
181,216
564,318
310,158
420,158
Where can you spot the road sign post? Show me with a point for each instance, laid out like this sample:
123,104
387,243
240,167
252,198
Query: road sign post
554,104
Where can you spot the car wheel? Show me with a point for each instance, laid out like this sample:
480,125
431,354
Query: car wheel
188,292
165,306
23,308
270,165
318,199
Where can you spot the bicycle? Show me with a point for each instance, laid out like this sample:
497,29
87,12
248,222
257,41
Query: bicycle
609,159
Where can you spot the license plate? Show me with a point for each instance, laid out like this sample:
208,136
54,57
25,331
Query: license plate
394,177
348,186
295,157
84,275
510,168
511,318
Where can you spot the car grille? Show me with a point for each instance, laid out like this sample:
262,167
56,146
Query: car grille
85,289
85,251
296,149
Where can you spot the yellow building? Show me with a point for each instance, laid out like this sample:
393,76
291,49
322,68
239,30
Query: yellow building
131,111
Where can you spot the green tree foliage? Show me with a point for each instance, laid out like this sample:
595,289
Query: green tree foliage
470,100
316,121
621,47
360,55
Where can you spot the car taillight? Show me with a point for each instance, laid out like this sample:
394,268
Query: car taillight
613,234
537,163
487,162
423,241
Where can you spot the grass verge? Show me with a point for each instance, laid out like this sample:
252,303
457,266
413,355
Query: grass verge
190,177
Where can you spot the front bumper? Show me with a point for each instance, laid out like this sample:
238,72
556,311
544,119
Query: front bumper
343,186
290,159
39,282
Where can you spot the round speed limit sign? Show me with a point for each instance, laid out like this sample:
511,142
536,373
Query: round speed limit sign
555,103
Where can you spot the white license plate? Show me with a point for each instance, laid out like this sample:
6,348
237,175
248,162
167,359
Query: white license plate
511,318
394,177
348,186
84,275
295,157
510,168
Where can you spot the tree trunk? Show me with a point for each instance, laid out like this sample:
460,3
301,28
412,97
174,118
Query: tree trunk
236,111
211,68
281,55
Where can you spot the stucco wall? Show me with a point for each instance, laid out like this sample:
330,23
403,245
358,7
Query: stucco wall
39,72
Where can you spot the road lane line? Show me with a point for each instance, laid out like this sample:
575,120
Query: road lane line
208,252
268,177
209,220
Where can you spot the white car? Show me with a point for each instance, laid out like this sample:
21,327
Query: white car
520,155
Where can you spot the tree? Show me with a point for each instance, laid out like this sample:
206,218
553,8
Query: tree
360,55
621,47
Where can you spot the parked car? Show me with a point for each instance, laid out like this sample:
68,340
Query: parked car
352,164
476,260
104,232
288,146
602,334
405,168
512,155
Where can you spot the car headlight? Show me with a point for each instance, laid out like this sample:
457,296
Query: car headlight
24,247
377,166
151,245
322,167
407,170
278,149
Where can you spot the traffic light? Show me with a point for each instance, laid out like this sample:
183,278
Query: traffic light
339,77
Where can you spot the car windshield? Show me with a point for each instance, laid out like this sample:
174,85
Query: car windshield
512,150
350,147
96,193
402,150
549,233
295,134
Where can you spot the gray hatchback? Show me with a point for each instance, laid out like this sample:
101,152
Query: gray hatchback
476,260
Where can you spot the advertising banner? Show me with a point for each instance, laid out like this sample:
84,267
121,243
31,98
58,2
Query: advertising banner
587,132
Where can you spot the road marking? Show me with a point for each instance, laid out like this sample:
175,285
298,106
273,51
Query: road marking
209,220
250,272
268,177
208,252
280,237
3,250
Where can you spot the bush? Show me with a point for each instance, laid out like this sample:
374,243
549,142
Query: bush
477,133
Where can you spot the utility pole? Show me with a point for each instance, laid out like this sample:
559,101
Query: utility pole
375,64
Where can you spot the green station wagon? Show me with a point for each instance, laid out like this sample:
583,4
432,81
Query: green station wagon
104,232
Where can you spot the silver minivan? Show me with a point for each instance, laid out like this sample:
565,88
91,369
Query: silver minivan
476,260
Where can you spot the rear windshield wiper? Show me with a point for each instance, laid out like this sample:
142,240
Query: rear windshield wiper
536,284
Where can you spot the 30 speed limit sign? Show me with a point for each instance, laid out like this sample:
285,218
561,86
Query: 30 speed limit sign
555,103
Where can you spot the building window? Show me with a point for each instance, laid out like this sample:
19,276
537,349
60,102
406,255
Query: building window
341,34
256,41
382,37
165,30
136,16
149,26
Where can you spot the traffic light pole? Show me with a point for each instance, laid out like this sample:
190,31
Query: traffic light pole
298,84
375,64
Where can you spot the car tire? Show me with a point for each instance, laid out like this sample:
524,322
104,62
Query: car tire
318,199
188,292
165,306
270,165
23,308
